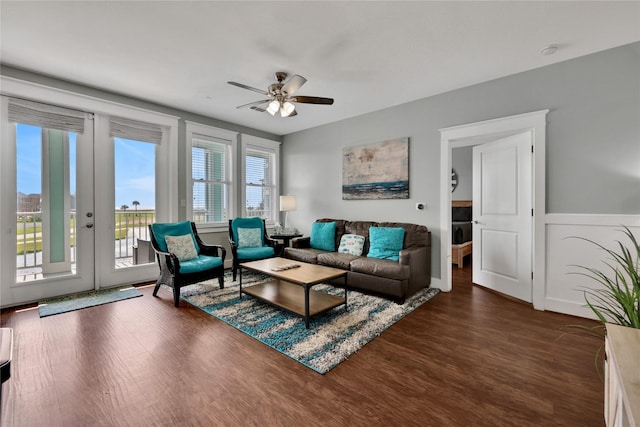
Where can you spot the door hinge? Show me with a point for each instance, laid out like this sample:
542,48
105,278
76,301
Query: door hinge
532,275
531,212
532,148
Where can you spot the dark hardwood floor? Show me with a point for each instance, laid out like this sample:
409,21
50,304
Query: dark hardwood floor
466,358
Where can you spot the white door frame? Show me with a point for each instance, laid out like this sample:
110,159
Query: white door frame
478,133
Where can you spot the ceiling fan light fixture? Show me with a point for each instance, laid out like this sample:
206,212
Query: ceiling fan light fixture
273,107
280,96
286,109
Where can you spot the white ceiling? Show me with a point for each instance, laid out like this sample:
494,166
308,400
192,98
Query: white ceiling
366,55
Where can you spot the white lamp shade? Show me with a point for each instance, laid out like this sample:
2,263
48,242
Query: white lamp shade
288,203
273,107
287,109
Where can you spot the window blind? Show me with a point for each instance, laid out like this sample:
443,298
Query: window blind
259,185
45,115
208,160
210,188
133,129
258,167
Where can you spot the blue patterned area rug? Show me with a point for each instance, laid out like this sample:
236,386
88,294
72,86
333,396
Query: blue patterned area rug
53,306
332,336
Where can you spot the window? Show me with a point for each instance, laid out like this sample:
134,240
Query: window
260,177
211,172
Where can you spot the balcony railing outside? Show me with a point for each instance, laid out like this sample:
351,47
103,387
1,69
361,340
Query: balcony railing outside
129,226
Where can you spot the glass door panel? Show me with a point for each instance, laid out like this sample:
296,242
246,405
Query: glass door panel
46,192
54,243
135,201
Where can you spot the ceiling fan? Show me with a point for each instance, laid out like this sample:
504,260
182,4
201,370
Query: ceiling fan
280,96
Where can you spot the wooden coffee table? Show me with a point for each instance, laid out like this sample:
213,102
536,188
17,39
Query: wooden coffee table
291,289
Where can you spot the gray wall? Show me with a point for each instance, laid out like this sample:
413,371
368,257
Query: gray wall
593,143
462,163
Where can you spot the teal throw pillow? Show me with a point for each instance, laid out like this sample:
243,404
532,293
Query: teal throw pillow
323,236
249,237
385,242
162,230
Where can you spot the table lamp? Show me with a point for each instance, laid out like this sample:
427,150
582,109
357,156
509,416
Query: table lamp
287,204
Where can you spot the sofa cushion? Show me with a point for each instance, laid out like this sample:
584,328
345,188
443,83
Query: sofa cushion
323,236
255,253
305,255
336,259
351,244
380,267
251,222
161,230
386,242
201,263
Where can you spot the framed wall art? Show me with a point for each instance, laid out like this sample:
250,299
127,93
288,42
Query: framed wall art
376,171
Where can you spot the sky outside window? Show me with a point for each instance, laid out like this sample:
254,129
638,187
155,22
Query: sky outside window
29,160
134,167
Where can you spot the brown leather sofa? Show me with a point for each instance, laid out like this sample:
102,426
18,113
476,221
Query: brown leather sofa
391,279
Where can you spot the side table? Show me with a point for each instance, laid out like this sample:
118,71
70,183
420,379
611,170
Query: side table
286,240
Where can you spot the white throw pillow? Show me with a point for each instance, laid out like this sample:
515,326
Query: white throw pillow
249,237
351,244
182,247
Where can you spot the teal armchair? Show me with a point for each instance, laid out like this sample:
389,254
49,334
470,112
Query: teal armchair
249,241
184,259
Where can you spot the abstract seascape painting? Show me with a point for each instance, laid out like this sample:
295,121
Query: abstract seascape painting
376,171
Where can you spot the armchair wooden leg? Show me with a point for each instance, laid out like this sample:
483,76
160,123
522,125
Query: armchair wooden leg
235,272
164,279
155,290
176,295
221,281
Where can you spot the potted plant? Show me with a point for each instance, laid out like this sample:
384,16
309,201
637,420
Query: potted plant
617,299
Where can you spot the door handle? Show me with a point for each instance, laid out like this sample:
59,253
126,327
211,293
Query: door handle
475,222
89,225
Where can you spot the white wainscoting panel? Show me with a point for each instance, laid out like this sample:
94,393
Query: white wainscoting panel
564,290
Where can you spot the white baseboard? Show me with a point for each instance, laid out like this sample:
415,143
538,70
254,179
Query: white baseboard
437,283
569,307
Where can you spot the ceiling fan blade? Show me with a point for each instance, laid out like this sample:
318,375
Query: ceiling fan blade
311,100
252,104
240,85
294,83
261,110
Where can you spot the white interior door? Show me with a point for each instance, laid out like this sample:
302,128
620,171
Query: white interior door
502,215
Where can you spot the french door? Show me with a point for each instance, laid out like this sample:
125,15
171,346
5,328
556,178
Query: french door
78,191
48,206
126,182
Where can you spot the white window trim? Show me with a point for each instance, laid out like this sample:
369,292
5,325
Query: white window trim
248,142
192,129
